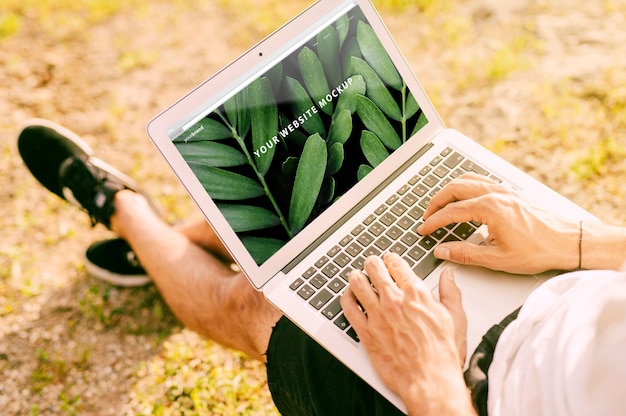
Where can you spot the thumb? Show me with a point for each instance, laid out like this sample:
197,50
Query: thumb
462,253
451,299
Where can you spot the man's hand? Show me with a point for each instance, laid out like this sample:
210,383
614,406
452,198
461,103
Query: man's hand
522,238
416,343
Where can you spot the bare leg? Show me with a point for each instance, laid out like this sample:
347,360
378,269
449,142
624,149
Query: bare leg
205,294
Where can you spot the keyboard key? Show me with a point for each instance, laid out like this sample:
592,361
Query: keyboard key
416,213
426,265
332,309
388,218
337,285
403,190
464,231
383,243
310,272
439,234
318,281
441,171
345,241
296,284
352,334
342,260
333,251
321,299
436,161
330,270
414,180
321,262
470,166
453,160
409,239
306,292
365,239
398,209
371,251
409,199
342,323
430,181
398,248
416,253
370,219
425,171
420,190
354,249
446,151
358,263
405,223
392,199
376,229
394,233
359,228
380,210
427,242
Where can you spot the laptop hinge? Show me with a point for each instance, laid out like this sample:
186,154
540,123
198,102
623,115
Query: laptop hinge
323,237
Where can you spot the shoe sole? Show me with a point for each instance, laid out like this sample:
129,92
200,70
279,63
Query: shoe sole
114,278
83,149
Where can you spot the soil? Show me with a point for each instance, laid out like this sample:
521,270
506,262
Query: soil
540,82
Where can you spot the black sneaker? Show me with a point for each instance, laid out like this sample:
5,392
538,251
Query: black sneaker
64,164
115,262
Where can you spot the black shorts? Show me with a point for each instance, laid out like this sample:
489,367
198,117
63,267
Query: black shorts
305,380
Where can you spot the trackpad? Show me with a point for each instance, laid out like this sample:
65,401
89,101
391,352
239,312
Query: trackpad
488,297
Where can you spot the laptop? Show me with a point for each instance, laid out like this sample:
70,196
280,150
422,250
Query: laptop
319,147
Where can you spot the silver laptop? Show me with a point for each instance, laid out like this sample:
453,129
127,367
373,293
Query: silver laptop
317,148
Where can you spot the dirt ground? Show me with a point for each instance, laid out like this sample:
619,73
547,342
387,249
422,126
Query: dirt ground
542,83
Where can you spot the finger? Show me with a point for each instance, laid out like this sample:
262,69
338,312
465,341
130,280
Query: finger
379,276
468,186
449,293
353,313
470,254
475,209
400,271
362,289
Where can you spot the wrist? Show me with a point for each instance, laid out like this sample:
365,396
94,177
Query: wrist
602,246
449,397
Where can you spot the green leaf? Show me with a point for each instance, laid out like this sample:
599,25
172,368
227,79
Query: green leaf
261,248
421,122
275,76
328,190
230,107
328,51
343,26
205,129
340,129
363,171
347,100
373,149
412,107
376,55
309,178
212,153
302,105
336,157
243,218
376,89
351,49
375,121
243,115
290,166
314,78
225,185
264,122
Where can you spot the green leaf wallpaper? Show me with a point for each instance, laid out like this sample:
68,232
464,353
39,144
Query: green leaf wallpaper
292,142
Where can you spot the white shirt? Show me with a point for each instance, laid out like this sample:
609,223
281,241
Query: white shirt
565,354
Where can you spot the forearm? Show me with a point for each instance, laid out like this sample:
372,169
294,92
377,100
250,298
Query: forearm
602,246
449,397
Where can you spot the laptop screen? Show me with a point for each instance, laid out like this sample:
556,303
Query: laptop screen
295,139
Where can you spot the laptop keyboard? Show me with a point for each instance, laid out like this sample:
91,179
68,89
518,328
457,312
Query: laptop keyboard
390,228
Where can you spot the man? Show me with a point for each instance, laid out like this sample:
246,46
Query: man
194,273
